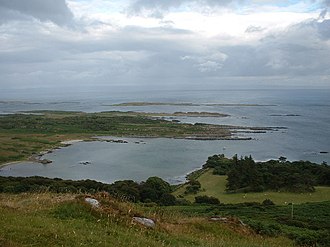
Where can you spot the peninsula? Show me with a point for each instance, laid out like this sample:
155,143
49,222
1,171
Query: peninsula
26,135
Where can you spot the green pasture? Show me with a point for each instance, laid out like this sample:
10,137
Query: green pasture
215,185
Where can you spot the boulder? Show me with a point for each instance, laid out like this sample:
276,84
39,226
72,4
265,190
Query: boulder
45,161
224,219
145,221
93,202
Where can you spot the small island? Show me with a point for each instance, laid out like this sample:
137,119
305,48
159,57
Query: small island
191,114
185,104
154,104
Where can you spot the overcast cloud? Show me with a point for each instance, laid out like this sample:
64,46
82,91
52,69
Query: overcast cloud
46,43
44,10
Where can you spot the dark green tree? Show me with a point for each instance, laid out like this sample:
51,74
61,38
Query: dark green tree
193,187
154,188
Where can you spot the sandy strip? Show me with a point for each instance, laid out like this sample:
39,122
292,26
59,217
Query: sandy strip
13,163
69,142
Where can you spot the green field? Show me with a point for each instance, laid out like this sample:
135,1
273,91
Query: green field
215,185
65,220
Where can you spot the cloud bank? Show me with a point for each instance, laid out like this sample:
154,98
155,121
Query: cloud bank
38,47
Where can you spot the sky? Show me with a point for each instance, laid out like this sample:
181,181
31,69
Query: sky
164,43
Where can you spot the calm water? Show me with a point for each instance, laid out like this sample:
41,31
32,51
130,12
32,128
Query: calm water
305,114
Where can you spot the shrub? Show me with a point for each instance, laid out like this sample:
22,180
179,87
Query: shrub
183,202
167,199
265,229
268,202
207,200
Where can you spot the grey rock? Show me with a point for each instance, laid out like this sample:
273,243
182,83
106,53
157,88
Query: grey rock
93,202
145,221
219,219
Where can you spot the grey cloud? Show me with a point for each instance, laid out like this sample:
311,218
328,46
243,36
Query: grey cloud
319,27
158,6
324,29
326,3
138,5
299,51
323,14
176,3
8,14
133,54
254,29
43,10
121,55
211,62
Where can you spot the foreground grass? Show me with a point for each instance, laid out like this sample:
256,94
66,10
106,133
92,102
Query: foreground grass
64,220
215,185
308,225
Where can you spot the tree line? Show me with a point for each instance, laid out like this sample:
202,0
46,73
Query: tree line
154,189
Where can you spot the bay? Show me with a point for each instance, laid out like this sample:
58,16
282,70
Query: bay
303,113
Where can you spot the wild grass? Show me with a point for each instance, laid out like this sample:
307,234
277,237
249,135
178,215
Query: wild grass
308,225
63,220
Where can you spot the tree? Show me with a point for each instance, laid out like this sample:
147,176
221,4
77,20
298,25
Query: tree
127,189
167,200
282,159
154,188
193,187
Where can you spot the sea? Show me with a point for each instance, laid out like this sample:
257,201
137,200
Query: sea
303,116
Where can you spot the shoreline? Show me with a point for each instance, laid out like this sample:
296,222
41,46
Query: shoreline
13,163
126,125
179,180
36,158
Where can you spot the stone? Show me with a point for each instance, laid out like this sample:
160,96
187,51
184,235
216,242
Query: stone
145,221
218,219
45,161
93,202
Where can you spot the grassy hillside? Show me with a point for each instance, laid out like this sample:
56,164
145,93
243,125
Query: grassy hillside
65,220
215,185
